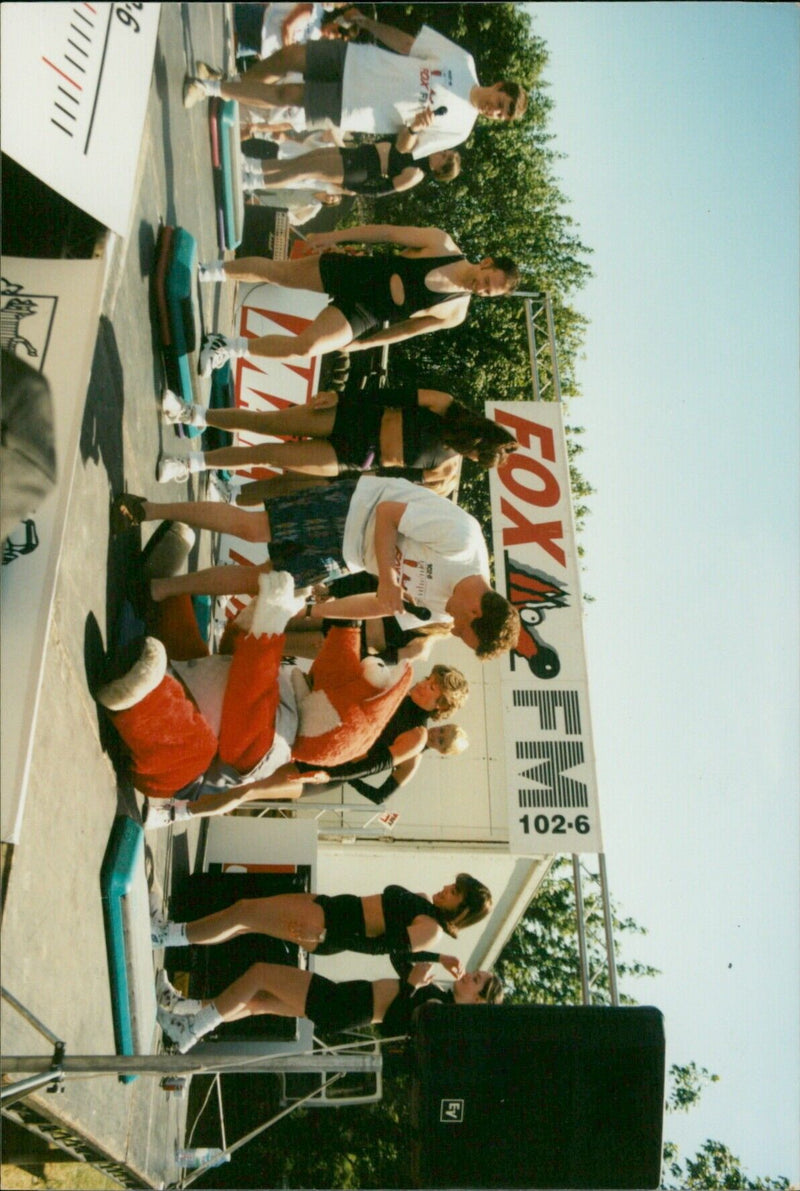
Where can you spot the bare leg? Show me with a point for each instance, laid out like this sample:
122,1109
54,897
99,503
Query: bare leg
265,988
208,514
288,59
264,95
298,421
286,485
329,331
323,164
316,458
300,274
294,917
215,581
303,645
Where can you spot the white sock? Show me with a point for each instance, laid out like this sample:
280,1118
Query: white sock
182,813
212,271
238,346
212,87
197,463
198,415
175,935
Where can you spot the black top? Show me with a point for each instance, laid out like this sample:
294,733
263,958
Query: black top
412,271
400,908
397,1019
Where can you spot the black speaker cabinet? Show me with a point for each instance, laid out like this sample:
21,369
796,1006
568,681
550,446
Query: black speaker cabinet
537,1096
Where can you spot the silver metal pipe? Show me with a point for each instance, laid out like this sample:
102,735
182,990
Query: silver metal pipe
608,922
579,915
187,1064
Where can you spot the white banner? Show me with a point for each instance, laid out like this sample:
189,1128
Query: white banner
549,754
75,87
49,318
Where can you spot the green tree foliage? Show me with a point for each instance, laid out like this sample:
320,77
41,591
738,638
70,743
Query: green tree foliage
713,1168
506,201
539,964
687,1083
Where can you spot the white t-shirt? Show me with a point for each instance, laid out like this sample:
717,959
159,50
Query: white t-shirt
382,92
438,544
272,28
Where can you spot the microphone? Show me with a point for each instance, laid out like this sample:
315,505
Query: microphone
441,111
418,610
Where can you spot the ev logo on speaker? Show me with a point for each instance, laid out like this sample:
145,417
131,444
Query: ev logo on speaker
452,1111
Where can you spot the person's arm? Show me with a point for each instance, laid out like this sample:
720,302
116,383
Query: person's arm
388,515
409,328
407,179
422,932
394,39
386,233
285,784
434,400
296,22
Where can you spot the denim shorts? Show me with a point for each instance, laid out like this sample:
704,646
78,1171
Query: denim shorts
307,532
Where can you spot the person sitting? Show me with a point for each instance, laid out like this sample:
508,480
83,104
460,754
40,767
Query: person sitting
330,1005
429,556
414,431
428,289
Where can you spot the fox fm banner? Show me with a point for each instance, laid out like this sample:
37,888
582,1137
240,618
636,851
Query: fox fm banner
75,86
549,754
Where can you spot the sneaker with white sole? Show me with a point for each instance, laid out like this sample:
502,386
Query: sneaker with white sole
211,272
172,470
193,92
169,998
159,814
175,412
202,70
213,354
177,1027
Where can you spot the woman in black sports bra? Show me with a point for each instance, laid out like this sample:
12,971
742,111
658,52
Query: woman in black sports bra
427,288
331,1005
377,170
395,921
401,427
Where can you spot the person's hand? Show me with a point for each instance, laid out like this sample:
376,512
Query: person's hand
321,239
326,399
354,17
422,120
453,965
420,975
315,777
390,594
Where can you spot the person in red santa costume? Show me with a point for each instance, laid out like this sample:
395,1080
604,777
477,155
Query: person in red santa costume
214,732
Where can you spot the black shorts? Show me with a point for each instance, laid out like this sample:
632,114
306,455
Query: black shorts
344,923
322,96
361,164
339,1006
356,434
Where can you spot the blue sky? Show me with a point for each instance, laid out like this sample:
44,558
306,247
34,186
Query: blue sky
680,126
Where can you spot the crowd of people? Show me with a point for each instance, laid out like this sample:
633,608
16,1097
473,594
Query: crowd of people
369,563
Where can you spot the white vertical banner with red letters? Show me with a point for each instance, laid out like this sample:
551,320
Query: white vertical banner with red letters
549,753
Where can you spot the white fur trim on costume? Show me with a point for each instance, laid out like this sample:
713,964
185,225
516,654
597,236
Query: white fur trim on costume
142,678
276,603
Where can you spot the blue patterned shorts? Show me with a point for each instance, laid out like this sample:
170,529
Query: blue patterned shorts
307,531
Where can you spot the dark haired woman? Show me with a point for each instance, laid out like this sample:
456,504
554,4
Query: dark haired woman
426,288
393,921
376,170
331,1005
400,426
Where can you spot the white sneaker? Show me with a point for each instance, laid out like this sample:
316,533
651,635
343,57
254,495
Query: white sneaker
175,412
160,813
142,678
177,1027
193,92
170,469
211,272
213,354
202,70
168,997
